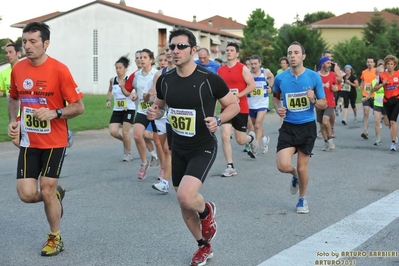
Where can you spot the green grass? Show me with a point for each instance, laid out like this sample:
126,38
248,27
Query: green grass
95,116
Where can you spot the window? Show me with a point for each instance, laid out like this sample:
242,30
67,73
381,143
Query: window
95,55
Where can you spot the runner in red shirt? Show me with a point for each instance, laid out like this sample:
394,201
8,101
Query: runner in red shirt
42,85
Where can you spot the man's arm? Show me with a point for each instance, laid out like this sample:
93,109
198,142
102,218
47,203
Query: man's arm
337,71
13,106
250,83
270,80
68,112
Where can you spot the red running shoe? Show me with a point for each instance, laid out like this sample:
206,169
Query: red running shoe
202,255
208,225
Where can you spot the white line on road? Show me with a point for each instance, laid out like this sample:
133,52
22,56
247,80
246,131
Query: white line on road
345,235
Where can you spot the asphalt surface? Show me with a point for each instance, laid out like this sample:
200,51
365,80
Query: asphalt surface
112,218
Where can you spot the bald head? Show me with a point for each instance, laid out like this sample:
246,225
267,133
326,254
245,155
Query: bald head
203,56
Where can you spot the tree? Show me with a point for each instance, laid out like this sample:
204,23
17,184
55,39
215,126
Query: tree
311,40
393,10
374,29
313,17
258,36
393,37
353,52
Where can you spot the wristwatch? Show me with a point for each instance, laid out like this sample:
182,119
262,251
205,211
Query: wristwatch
59,113
218,121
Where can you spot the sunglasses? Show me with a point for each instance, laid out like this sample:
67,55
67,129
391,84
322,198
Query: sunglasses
180,46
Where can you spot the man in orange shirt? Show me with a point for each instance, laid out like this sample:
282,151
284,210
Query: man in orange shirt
367,77
42,85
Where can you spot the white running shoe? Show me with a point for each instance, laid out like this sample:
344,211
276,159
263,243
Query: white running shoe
230,171
154,161
128,157
266,145
161,186
254,143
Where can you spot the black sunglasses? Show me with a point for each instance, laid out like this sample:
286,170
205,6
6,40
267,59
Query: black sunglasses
180,46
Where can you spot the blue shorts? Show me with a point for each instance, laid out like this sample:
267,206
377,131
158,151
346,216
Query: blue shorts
254,112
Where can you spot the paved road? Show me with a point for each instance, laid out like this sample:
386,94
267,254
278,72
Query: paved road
112,218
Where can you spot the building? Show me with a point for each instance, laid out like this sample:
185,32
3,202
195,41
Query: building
346,26
225,24
89,39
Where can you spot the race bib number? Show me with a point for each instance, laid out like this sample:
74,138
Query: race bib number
346,87
367,87
143,106
258,92
297,102
379,99
121,103
182,121
31,123
234,91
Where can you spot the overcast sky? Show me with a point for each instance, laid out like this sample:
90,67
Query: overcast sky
13,11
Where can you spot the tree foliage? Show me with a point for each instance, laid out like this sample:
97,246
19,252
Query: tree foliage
353,52
313,17
258,36
393,10
311,40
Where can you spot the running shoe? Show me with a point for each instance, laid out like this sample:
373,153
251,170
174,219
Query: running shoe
319,134
254,144
60,196
343,122
294,185
208,225
53,246
331,144
161,186
143,171
393,146
377,142
332,133
326,146
70,138
202,255
128,157
230,171
247,148
266,145
154,161
365,135
302,206
355,120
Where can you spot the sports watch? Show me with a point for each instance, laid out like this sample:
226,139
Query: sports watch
59,113
218,121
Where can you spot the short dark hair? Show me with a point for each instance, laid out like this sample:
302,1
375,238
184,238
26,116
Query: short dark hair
138,51
325,52
302,48
186,32
234,45
219,60
16,47
42,27
370,57
124,60
255,56
284,58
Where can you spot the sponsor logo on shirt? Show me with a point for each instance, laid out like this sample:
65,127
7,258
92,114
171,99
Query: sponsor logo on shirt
28,84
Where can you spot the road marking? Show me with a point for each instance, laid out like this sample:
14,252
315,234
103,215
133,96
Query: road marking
345,235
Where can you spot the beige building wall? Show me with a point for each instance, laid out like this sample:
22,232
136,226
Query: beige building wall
334,36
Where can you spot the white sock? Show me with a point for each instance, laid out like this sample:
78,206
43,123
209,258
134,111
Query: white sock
264,139
154,154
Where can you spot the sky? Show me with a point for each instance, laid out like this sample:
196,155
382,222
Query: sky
283,12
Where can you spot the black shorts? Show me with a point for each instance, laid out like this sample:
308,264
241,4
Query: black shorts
122,116
169,134
300,136
33,162
239,122
380,109
142,119
392,111
196,162
369,102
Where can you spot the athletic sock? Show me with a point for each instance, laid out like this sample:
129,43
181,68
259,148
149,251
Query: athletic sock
231,164
202,215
